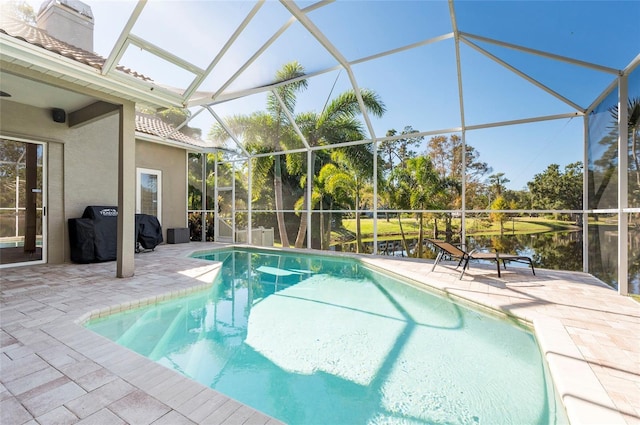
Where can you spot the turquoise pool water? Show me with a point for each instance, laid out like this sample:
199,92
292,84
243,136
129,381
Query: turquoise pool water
323,340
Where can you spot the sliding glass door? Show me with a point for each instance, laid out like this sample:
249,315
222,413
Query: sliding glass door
22,202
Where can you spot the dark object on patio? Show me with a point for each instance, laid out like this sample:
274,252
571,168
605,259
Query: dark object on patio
178,235
105,223
148,232
450,250
81,236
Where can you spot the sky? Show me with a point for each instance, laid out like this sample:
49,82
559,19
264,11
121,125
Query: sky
418,86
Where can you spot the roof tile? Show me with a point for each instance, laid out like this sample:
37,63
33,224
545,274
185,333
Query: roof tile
154,126
38,37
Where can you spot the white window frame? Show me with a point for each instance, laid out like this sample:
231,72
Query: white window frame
158,173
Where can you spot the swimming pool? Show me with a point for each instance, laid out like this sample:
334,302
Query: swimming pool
325,340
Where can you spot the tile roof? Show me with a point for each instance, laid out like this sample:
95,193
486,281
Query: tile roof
149,124
38,37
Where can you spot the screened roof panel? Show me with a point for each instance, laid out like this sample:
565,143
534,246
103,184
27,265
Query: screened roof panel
231,114
161,71
193,30
418,91
243,106
200,119
419,85
359,31
270,19
576,29
579,84
109,21
295,44
321,89
489,88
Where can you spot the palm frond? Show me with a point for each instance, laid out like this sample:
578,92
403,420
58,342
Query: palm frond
287,92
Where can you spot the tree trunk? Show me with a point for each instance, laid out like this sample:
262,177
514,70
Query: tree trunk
435,227
277,186
404,239
634,154
302,228
322,245
420,235
358,235
326,238
606,178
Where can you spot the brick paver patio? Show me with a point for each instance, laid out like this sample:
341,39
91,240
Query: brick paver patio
53,371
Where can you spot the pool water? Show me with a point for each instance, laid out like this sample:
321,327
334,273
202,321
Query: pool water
325,340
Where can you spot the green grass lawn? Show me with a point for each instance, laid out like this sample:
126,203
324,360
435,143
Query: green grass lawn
391,227
520,225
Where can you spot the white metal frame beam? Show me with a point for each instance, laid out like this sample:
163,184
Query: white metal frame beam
119,47
163,54
291,119
623,186
228,130
456,32
200,79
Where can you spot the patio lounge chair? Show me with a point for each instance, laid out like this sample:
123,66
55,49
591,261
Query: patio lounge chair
452,251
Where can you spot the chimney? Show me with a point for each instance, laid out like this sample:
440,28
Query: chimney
70,21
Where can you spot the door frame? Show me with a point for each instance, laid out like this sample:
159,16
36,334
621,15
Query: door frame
158,174
44,192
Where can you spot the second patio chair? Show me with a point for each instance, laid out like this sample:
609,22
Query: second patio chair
455,252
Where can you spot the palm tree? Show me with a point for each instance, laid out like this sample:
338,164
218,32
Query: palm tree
418,186
356,162
497,183
333,187
265,132
335,124
413,186
633,125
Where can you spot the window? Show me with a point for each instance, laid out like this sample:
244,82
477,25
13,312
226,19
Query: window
149,193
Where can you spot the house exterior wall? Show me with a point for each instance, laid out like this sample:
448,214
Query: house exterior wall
91,166
172,162
82,166
82,169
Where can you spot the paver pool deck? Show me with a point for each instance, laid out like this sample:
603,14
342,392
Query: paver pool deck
54,371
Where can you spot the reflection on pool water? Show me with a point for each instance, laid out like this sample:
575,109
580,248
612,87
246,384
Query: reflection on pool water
325,340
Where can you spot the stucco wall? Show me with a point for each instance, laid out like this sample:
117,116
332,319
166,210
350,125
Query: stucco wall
91,166
82,169
173,164
82,166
